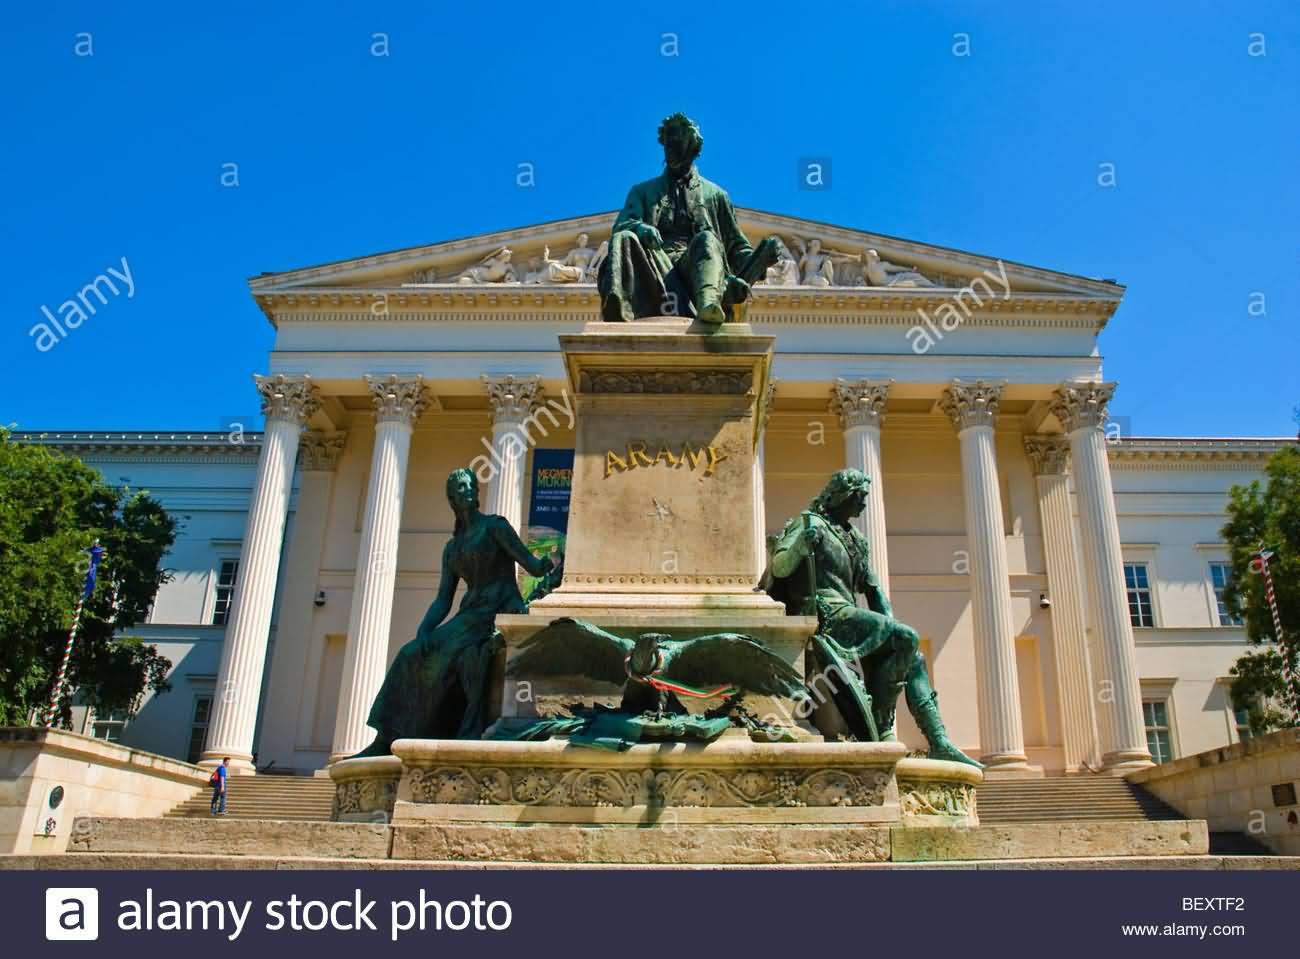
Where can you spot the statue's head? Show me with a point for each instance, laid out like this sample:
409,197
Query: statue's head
582,239
814,245
844,496
462,490
682,142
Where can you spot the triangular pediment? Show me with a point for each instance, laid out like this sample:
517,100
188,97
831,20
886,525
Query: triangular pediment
549,255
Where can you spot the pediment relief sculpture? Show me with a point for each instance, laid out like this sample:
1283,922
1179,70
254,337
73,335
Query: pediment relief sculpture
878,272
812,264
579,265
493,268
820,266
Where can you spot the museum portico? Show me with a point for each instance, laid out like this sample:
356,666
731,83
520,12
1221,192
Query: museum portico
970,390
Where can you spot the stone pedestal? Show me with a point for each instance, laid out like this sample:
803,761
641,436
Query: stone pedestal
662,508
661,515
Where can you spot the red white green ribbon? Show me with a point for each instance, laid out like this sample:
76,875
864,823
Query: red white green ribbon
671,686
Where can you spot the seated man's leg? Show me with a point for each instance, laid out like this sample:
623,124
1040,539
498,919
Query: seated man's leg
886,672
704,265
923,704
629,282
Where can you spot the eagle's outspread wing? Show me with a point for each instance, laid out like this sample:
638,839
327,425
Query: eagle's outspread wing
730,658
571,647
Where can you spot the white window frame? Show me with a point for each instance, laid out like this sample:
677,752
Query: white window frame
207,694
215,587
1215,618
1150,589
1162,691
93,720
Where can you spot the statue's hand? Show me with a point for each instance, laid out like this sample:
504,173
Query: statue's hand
649,236
810,538
737,290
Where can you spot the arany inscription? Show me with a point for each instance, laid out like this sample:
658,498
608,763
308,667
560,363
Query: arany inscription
689,456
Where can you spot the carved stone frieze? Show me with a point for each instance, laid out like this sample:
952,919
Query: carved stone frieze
929,798
356,798
621,788
291,398
667,381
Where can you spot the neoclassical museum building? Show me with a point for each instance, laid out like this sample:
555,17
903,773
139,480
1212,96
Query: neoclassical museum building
1065,576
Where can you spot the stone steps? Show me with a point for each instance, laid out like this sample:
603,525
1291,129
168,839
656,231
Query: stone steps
266,797
1060,799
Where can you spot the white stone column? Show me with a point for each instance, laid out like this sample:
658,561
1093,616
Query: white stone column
861,409
512,400
398,403
287,402
1050,455
1081,408
972,408
764,408
286,716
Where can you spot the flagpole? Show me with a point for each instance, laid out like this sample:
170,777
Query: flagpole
1260,565
56,694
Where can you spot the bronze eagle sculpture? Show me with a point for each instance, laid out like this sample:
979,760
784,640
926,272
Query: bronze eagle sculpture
654,668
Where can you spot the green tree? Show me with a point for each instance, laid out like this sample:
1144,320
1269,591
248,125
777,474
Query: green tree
1269,515
52,509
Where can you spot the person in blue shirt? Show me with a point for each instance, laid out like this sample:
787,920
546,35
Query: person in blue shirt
218,781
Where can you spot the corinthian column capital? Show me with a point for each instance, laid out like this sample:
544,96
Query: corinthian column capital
512,398
859,403
289,398
1082,405
1049,453
972,404
319,451
398,399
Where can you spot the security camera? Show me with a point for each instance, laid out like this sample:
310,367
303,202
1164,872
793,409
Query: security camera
319,601
1044,602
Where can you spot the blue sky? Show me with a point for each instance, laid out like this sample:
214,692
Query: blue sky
341,153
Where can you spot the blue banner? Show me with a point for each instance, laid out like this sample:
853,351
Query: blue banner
551,483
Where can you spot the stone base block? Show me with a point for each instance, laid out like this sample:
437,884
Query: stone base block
365,789
682,845
1179,837
934,792
732,780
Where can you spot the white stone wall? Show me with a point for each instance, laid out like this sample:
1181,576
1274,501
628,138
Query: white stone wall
1170,515
208,497
98,779
1232,788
